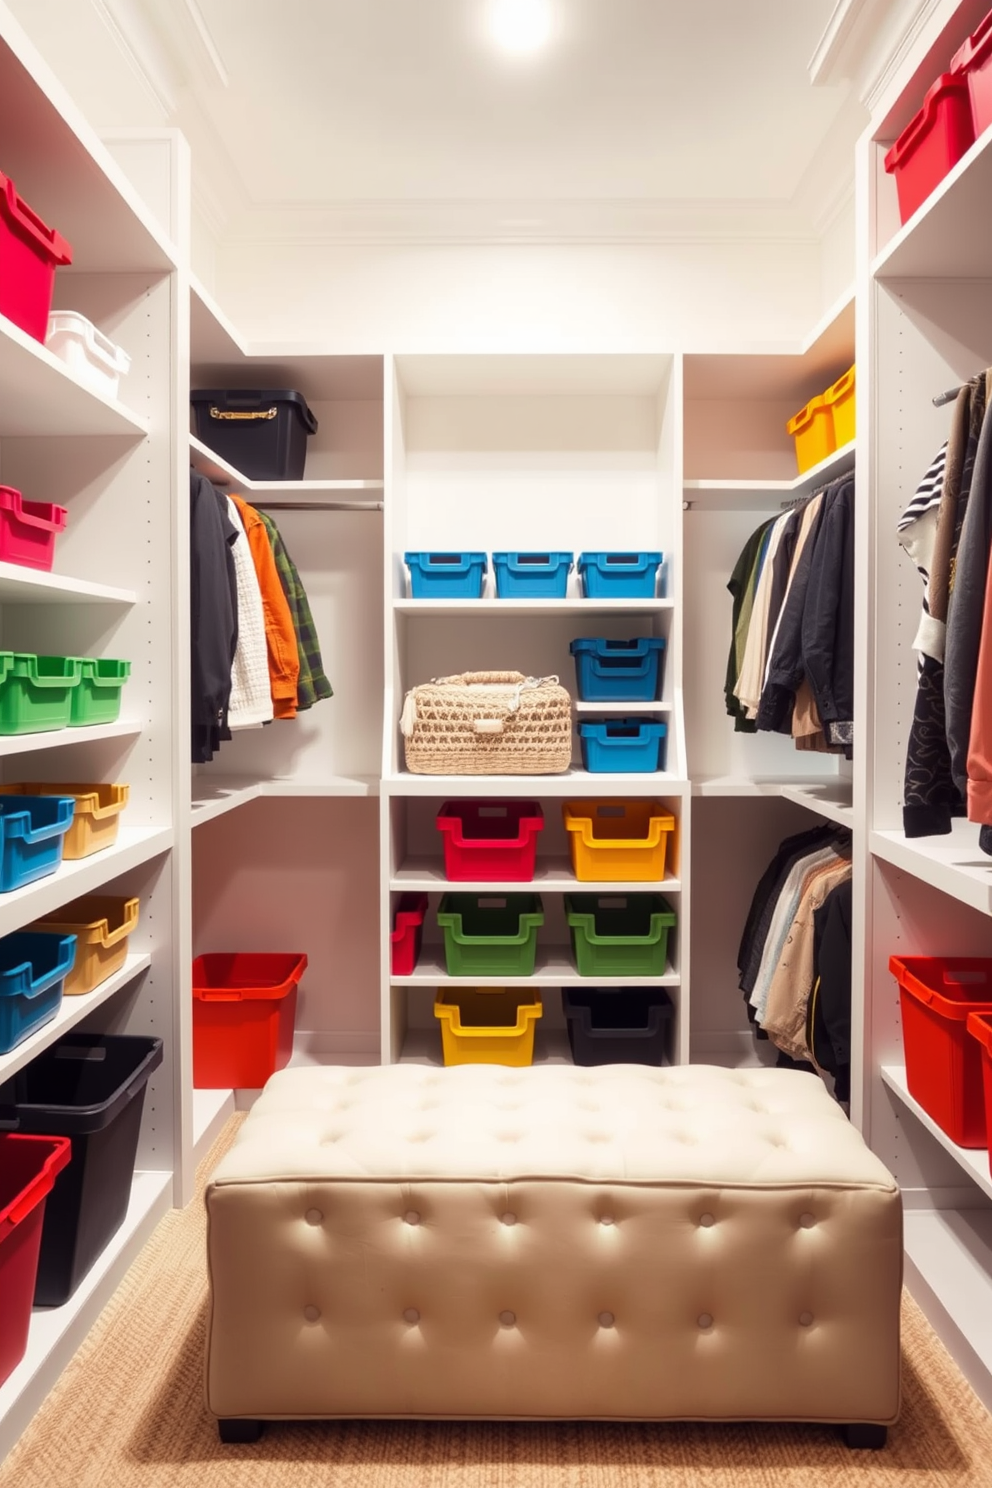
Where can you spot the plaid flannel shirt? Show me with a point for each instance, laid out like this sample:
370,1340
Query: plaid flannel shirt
312,684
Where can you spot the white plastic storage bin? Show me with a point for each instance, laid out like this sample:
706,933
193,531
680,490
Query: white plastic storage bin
92,356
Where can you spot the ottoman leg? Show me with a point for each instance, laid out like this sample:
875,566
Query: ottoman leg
867,1435
235,1430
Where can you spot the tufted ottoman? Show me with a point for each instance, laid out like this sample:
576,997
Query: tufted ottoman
618,1243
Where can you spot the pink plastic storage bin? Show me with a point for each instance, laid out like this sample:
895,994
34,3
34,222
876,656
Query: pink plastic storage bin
932,144
974,62
408,934
490,841
28,529
30,252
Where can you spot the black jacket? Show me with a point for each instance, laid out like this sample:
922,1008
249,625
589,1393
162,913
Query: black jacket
785,666
213,616
828,619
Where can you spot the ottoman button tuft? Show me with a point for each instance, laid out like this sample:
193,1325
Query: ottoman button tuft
607,1219
807,1221
311,1313
806,1319
411,1217
508,1319
314,1216
706,1220
606,1320
508,1219
411,1315
705,1320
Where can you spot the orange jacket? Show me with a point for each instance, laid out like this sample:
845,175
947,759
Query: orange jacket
280,635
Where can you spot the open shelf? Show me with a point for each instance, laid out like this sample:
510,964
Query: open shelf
40,396
625,710
490,607
58,738
555,968
72,1011
57,1332
573,782
973,1160
942,240
134,846
953,863
831,799
551,875
32,586
216,795
753,494
949,1273
222,474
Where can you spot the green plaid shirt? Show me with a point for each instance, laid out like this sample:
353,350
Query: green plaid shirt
312,684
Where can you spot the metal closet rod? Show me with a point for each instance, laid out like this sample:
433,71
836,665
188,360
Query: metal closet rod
951,393
320,506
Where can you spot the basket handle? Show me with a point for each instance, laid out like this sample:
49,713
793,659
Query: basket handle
484,679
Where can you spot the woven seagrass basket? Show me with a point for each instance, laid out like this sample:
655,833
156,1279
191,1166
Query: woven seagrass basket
488,723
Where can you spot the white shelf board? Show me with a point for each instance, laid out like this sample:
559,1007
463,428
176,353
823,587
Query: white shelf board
211,1110
624,710
832,800
72,1011
953,863
423,1046
763,785
40,396
555,968
974,1161
214,796
134,846
573,782
221,473
943,239
57,738
553,875
949,1274
716,494
489,607
57,1332
30,586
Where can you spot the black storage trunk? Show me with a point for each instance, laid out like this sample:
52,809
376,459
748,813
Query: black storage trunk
90,1088
261,432
626,1026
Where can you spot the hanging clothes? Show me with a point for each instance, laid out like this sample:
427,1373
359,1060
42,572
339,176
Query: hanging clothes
748,686
251,698
213,617
828,1021
282,651
742,584
965,606
784,672
828,619
766,896
312,685
786,1006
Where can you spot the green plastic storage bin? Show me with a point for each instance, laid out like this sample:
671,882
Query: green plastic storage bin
490,934
617,935
97,699
36,692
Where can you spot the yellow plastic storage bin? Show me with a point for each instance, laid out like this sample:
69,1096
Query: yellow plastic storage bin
813,430
618,841
840,401
101,924
488,1025
95,819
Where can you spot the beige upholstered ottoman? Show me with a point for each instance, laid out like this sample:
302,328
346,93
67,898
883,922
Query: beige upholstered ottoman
619,1243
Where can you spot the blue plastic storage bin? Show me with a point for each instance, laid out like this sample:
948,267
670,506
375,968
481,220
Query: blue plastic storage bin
627,746
619,575
618,671
532,575
446,575
33,969
32,832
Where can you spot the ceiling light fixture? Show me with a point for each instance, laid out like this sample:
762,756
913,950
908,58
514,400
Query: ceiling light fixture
520,26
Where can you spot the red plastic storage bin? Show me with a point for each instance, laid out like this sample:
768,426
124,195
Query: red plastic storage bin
28,530
30,253
244,1013
943,1063
490,841
974,62
408,933
980,1028
933,143
28,1169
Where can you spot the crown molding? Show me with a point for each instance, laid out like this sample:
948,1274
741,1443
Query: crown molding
520,222
867,42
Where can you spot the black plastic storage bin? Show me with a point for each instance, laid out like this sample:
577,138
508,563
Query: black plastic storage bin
627,1026
261,432
90,1088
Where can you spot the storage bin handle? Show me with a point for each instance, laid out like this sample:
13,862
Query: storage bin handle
253,415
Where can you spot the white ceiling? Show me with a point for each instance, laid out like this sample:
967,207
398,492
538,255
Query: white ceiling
315,105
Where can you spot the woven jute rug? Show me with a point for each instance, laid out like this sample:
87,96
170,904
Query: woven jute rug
129,1410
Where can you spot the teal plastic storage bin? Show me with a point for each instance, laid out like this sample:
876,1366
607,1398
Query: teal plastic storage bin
615,935
532,575
624,746
618,671
446,575
32,834
619,575
490,934
36,691
33,969
97,699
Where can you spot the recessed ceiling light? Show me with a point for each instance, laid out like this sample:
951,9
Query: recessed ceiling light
520,26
